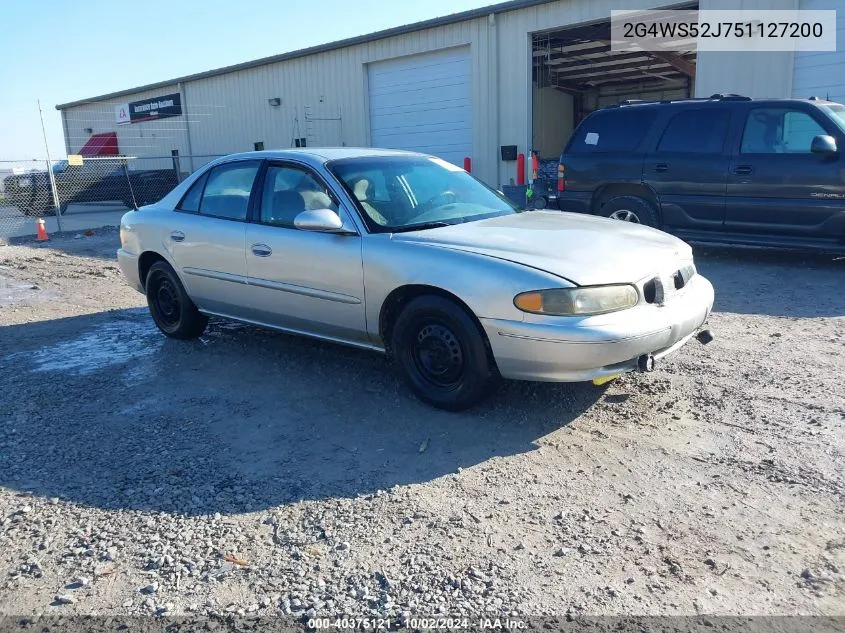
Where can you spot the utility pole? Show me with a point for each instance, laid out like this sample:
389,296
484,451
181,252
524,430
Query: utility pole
50,173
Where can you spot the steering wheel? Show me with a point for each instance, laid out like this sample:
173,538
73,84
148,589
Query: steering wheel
440,200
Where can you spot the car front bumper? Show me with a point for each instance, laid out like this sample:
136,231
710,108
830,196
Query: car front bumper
573,349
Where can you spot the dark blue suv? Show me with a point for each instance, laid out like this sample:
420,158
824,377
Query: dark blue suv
730,169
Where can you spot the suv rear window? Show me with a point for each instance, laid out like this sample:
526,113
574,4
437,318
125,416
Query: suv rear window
611,131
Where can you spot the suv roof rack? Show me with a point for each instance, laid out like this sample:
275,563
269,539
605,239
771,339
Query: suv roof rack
715,97
729,97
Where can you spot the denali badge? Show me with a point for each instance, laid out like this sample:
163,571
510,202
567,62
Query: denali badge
824,194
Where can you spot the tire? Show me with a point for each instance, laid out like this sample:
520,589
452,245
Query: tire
539,202
631,209
172,310
442,354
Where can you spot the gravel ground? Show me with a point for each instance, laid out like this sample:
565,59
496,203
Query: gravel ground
251,472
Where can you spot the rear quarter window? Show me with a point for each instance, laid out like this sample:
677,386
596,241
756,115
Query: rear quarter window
619,130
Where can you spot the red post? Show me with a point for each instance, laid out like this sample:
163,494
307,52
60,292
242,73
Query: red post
520,169
468,164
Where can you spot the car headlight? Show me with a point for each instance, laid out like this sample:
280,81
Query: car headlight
578,301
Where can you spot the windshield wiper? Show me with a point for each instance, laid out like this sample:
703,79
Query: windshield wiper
421,226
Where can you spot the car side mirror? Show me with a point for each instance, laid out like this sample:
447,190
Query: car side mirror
320,221
824,145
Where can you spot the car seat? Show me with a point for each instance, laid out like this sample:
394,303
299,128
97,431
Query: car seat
363,191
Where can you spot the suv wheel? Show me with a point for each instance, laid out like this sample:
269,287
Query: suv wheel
631,209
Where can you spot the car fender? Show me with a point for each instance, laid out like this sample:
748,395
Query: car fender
486,285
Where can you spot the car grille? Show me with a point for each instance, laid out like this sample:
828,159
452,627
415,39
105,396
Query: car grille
663,287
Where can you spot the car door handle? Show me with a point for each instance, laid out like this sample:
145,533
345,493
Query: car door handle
743,170
661,168
261,250
177,236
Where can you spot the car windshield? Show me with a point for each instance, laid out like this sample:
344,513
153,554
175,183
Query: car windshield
407,193
837,111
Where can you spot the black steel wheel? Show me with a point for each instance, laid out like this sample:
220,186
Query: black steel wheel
442,353
172,310
437,354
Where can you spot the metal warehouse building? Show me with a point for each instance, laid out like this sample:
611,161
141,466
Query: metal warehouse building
472,84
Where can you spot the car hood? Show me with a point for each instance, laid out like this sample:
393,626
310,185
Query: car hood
583,249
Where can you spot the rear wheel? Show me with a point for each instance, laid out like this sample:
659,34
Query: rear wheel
631,209
442,354
172,310
539,202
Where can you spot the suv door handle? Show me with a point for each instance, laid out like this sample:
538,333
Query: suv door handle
177,236
261,250
661,168
743,170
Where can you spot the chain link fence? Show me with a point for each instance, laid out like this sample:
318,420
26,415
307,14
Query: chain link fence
70,195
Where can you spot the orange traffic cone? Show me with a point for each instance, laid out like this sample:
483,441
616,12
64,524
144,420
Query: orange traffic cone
42,231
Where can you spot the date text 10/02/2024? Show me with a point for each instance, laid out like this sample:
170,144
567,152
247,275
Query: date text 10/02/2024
419,623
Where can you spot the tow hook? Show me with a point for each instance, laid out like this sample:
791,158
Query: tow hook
704,336
645,363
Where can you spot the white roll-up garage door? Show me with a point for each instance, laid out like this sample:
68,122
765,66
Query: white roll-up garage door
821,74
423,103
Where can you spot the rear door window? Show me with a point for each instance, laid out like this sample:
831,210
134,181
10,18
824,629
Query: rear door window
227,190
617,130
191,201
696,132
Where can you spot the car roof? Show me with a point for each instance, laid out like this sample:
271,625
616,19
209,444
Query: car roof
324,153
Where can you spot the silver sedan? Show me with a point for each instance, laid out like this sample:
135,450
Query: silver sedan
408,255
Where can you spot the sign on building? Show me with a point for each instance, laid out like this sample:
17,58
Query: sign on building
149,109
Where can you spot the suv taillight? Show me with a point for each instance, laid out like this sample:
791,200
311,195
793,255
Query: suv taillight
561,179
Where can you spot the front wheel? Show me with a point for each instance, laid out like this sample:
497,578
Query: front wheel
172,310
442,354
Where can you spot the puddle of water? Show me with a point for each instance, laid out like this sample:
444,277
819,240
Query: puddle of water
110,344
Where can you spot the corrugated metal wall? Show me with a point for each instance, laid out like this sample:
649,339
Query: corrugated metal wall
820,73
229,113
753,74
